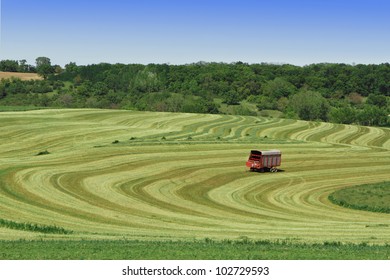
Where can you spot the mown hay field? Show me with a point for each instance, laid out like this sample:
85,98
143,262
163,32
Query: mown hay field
22,76
108,174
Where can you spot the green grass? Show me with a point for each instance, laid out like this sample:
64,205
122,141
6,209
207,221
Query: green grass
368,197
206,249
33,227
19,108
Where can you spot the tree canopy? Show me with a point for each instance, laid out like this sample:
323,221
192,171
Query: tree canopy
324,91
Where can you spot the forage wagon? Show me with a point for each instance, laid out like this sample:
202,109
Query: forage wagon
264,160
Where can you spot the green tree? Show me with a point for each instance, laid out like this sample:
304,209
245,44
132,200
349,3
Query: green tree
71,67
9,65
265,103
43,66
14,86
57,69
146,81
346,115
373,116
100,89
23,66
377,100
278,88
310,105
3,92
282,104
231,97
85,89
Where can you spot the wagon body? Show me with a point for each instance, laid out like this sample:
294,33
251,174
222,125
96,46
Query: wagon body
261,160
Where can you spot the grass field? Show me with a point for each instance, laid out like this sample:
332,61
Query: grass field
22,76
105,174
187,250
370,197
19,108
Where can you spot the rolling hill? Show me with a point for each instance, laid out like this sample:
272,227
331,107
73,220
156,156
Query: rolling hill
110,174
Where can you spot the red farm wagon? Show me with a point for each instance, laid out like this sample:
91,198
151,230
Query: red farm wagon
264,160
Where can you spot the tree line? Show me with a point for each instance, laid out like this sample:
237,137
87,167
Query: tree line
340,93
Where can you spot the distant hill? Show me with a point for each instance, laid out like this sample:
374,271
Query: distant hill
338,93
22,76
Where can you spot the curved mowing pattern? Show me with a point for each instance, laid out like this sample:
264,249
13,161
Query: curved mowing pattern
183,176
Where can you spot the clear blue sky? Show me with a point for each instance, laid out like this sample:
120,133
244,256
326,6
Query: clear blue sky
184,31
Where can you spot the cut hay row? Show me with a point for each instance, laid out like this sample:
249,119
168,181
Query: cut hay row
182,176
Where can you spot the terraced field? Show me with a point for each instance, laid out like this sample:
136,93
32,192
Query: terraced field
120,174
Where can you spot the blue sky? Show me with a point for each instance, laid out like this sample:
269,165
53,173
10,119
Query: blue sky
298,32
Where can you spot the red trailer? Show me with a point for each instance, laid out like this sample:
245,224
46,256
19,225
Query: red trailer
264,160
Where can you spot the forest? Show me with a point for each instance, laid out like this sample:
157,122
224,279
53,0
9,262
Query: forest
333,92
